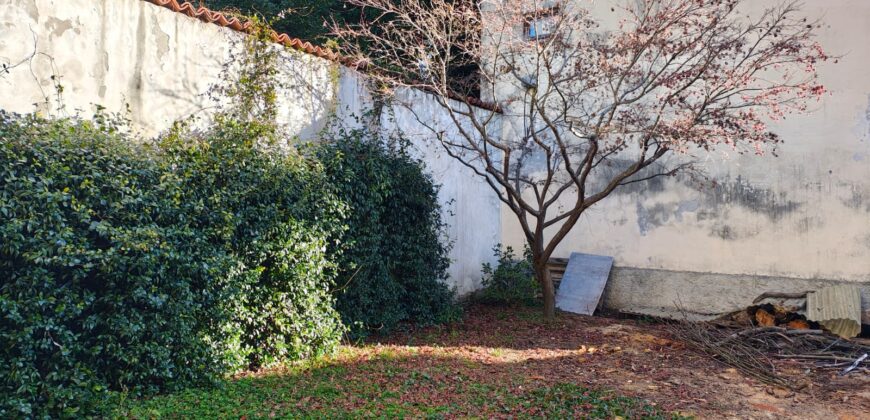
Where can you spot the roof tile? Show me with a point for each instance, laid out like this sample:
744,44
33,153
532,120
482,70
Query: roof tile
210,16
234,23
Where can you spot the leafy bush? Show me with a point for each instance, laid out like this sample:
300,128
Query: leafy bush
134,268
304,19
395,260
128,269
512,281
102,286
275,213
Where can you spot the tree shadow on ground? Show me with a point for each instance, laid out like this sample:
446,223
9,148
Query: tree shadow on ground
402,382
523,328
502,363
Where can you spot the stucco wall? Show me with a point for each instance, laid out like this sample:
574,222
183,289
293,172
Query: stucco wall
760,223
119,53
804,214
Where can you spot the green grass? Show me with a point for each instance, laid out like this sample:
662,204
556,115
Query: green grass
386,383
490,366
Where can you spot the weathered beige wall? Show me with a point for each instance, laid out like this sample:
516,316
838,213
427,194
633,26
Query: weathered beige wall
119,53
162,64
804,214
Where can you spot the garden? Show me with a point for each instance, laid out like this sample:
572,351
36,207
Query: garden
509,362
227,269
198,276
212,273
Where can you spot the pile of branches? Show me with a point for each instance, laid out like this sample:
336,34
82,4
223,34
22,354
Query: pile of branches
754,351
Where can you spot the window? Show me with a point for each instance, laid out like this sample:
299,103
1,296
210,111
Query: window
541,24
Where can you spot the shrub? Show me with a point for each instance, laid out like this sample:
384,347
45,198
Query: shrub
129,269
395,259
275,213
102,287
512,281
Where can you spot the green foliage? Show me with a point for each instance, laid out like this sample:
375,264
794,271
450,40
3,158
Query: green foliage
102,281
134,269
252,80
303,19
128,269
272,209
512,281
395,261
312,21
275,214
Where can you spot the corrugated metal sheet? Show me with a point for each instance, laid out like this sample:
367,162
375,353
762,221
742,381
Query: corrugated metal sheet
837,308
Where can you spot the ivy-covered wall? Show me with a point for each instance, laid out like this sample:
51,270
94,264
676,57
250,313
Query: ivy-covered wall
164,66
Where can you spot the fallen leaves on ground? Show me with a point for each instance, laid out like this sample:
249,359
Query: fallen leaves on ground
510,363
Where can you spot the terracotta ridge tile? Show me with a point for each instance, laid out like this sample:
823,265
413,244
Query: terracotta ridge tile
210,16
234,23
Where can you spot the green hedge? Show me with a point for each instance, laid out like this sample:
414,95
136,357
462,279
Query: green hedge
135,268
395,262
276,214
129,269
303,19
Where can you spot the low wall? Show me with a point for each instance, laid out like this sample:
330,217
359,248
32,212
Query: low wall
693,295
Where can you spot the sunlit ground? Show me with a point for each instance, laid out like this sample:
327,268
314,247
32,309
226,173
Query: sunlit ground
464,370
509,363
399,381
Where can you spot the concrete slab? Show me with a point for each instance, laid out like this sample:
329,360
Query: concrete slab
583,283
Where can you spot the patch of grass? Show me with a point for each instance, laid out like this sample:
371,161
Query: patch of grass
383,383
531,314
498,352
569,400
448,373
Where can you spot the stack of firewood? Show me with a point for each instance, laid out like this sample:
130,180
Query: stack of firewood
768,315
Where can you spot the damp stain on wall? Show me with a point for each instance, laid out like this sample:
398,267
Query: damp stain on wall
755,198
57,27
713,204
659,214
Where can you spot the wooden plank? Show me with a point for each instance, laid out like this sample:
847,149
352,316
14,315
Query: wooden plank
583,283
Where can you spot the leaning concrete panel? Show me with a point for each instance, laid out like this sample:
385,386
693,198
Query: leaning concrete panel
583,283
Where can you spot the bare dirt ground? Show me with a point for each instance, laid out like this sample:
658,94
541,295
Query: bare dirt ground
632,357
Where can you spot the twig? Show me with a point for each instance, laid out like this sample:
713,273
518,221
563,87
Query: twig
766,330
753,351
780,295
814,357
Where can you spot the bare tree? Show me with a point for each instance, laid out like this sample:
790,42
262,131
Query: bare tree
582,107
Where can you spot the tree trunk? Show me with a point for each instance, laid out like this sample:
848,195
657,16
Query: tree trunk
547,289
